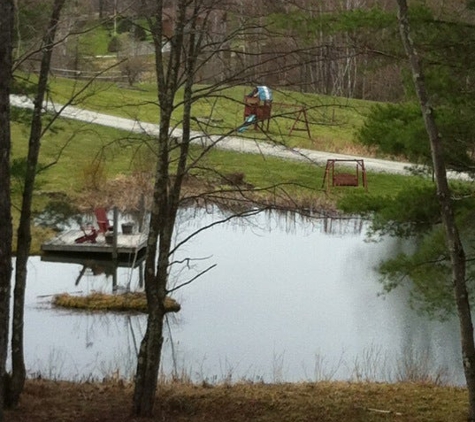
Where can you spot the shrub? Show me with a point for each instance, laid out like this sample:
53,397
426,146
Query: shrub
114,45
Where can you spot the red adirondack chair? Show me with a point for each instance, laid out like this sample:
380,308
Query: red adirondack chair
102,220
89,236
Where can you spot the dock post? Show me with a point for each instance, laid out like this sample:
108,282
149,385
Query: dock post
114,248
115,232
141,212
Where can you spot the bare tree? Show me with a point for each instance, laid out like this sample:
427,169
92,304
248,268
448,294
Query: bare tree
48,43
454,244
24,229
6,40
184,45
187,27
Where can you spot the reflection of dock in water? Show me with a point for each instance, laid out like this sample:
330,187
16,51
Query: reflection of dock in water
100,257
93,260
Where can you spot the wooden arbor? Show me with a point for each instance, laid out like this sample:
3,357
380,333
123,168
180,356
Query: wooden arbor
300,118
344,178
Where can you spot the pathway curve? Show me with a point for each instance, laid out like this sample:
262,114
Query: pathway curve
232,143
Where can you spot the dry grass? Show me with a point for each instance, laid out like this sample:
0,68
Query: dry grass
126,302
128,192
124,192
312,402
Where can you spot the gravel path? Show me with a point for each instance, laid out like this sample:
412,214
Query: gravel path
232,143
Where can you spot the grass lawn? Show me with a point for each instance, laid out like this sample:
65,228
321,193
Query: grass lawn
332,121
86,154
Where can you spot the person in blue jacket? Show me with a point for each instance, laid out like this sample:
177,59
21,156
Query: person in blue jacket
262,92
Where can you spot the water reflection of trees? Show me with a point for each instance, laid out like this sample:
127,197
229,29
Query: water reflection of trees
267,220
117,333
61,216
343,226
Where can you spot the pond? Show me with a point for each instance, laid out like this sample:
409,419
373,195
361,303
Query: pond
288,300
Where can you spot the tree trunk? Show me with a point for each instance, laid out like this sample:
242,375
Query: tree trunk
6,30
148,365
101,9
156,276
183,53
24,230
456,251
148,362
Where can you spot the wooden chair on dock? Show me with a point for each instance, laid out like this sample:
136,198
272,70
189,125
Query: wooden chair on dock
89,236
102,220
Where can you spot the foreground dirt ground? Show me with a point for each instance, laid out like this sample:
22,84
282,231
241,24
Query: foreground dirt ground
310,402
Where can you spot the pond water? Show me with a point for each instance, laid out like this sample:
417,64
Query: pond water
288,300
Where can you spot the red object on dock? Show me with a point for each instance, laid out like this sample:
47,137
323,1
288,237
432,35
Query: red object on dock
102,220
87,237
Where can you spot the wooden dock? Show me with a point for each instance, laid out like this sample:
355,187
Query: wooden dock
127,244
